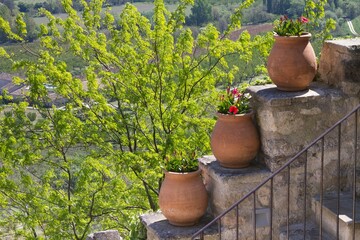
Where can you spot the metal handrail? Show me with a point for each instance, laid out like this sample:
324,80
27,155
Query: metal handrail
287,165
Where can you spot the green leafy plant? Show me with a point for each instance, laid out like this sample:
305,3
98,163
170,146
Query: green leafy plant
182,164
234,101
290,27
149,87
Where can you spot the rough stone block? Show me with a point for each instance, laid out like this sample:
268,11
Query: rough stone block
289,121
158,228
340,63
227,186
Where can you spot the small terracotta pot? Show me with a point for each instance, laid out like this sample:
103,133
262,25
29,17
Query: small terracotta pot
183,198
292,62
235,140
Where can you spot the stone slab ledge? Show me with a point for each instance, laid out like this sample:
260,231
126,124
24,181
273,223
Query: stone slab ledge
159,228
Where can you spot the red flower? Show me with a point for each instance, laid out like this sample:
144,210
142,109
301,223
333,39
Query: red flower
290,27
233,109
304,19
234,92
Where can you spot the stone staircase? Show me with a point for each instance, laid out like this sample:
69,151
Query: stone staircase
288,122
296,232
329,215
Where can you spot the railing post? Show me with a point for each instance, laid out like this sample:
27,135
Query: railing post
354,175
322,187
338,183
288,203
254,213
305,192
271,205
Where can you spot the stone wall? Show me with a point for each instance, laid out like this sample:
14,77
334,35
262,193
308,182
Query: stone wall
288,122
340,64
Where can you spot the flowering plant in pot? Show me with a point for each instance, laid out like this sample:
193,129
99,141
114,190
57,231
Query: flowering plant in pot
183,198
234,101
292,62
289,27
235,140
182,164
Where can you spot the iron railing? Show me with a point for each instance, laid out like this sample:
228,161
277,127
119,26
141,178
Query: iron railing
340,139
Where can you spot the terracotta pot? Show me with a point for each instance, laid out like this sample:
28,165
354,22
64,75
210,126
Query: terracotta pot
292,62
235,140
183,198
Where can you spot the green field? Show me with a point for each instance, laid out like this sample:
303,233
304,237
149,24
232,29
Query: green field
74,64
115,10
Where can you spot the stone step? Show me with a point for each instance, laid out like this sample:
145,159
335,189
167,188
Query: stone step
158,228
312,232
226,186
329,214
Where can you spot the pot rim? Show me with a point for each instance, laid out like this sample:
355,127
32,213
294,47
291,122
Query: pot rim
198,171
303,35
251,112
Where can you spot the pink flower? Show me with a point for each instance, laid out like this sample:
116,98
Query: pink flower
304,19
233,109
234,92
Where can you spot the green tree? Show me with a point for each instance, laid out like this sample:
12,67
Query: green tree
5,13
25,7
31,28
148,92
352,10
201,13
277,6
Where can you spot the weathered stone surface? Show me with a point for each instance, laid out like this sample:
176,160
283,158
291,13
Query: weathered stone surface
296,232
340,63
158,228
329,214
105,235
226,186
289,121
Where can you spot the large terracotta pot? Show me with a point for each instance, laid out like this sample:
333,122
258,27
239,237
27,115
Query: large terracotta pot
292,62
183,198
235,140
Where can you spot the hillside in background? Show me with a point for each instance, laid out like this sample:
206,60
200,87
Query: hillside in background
256,19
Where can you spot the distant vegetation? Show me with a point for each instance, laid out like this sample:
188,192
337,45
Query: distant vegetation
146,93
203,12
